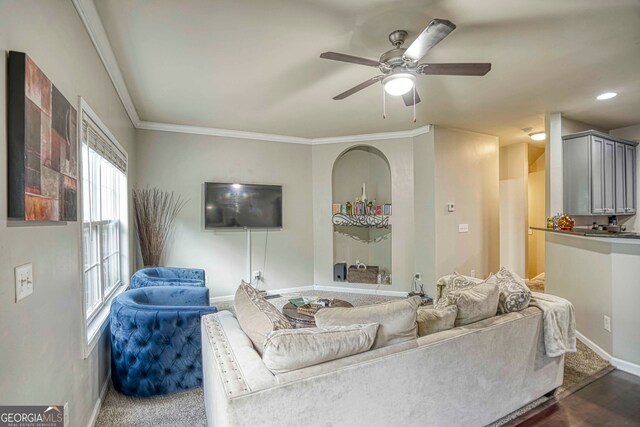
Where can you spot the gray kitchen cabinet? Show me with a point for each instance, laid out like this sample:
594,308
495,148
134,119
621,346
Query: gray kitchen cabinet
620,178
599,174
608,170
631,179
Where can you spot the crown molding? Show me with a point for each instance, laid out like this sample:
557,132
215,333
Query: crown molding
91,20
93,24
229,133
372,136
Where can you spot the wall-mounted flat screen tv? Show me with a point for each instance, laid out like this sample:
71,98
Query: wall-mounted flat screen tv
242,206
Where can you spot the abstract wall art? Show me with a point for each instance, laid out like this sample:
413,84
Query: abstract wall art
42,146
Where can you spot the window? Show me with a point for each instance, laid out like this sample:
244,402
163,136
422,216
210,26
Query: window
104,220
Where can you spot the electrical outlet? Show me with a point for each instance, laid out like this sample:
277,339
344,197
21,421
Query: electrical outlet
256,275
607,323
418,276
451,207
24,281
463,228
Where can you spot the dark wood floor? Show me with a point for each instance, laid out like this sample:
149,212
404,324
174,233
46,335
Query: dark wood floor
613,400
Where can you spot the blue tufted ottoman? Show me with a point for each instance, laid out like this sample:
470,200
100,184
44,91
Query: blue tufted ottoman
167,276
155,339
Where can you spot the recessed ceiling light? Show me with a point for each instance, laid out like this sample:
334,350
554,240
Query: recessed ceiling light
606,95
538,136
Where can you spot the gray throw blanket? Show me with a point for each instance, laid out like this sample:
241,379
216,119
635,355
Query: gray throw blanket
559,323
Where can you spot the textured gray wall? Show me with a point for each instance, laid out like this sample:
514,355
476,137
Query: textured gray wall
467,173
183,162
41,351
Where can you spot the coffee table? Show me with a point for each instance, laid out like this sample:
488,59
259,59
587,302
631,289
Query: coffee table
300,320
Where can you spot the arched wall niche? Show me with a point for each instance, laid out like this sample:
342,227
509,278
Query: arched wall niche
355,166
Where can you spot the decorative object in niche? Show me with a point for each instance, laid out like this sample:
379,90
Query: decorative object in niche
42,146
155,210
359,274
361,220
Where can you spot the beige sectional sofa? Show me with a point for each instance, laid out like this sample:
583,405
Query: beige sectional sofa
465,376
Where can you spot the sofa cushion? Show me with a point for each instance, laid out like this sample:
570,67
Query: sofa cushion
514,293
431,319
290,349
453,282
257,316
476,303
396,319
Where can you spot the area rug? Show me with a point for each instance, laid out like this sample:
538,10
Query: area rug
175,410
187,408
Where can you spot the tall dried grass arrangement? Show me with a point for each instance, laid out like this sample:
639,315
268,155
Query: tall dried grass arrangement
155,212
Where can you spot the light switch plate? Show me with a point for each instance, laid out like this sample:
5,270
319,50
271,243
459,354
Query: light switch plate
463,228
24,281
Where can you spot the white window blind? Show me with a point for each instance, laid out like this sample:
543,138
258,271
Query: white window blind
99,143
104,190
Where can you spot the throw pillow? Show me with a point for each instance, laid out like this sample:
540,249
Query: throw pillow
431,319
514,293
453,282
257,316
290,349
475,303
396,319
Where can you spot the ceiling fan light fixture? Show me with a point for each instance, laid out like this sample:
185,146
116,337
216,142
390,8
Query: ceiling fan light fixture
606,95
538,136
399,83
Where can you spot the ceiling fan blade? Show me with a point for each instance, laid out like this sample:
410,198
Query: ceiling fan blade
358,88
349,58
437,30
460,69
408,98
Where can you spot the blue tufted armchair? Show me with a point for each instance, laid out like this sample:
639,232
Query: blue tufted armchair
167,276
155,339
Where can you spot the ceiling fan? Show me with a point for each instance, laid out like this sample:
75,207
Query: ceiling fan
399,66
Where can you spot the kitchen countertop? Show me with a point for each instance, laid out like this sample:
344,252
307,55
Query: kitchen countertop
587,232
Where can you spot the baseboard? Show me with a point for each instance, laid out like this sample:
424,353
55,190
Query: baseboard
98,405
595,347
213,300
269,292
628,367
360,291
623,365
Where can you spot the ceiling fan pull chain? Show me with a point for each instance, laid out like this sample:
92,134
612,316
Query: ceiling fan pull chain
384,104
414,103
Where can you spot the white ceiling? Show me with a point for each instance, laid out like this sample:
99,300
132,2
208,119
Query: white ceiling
253,65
